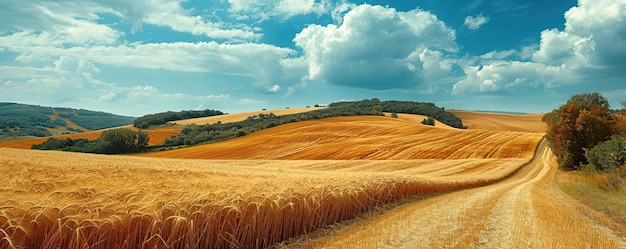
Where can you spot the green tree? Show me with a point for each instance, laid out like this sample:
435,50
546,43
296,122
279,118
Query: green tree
123,140
377,108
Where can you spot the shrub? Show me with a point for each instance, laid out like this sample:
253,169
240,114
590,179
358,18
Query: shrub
429,121
608,155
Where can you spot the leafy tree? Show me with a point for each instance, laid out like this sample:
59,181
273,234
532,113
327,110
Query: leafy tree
576,126
377,108
394,115
124,140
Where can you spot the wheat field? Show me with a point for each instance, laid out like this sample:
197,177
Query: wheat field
55,199
157,135
369,137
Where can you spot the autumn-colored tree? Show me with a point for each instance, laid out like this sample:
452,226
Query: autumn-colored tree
577,126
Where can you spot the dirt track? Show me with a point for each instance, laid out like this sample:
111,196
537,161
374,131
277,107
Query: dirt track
524,211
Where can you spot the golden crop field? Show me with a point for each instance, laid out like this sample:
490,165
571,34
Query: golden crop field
502,122
370,137
52,199
234,117
157,136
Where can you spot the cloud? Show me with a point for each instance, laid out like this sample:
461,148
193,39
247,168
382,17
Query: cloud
249,101
507,77
75,22
475,22
593,40
285,9
260,62
374,48
589,49
272,89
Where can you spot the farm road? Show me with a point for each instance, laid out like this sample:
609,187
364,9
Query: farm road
524,211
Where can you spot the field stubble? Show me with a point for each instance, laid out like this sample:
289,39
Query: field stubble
69,200
524,211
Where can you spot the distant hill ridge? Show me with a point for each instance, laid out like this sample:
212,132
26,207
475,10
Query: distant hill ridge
23,120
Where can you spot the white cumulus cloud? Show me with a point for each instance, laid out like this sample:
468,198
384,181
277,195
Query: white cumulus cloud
375,47
475,22
589,49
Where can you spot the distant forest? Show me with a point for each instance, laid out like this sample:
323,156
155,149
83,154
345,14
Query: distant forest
197,134
146,121
32,120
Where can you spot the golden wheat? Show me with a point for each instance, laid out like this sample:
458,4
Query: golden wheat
378,138
70,200
54,199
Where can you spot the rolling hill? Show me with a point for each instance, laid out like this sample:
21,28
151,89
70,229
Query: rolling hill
366,137
19,121
157,135
408,185
160,202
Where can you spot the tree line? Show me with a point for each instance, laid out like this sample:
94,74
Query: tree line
146,121
410,107
195,134
126,140
113,141
585,132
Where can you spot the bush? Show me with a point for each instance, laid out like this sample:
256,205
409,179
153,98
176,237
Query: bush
429,121
112,141
608,155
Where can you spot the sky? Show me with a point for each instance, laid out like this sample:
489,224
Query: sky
146,56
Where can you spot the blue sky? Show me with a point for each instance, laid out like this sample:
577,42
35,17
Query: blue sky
146,56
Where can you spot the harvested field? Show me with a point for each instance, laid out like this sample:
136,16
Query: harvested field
235,117
502,122
72,200
369,137
494,194
524,211
157,137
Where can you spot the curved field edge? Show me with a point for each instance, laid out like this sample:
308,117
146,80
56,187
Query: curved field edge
157,135
502,122
524,211
364,137
70,200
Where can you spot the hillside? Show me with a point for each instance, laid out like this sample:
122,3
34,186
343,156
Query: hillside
502,122
19,121
481,187
157,135
365,137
